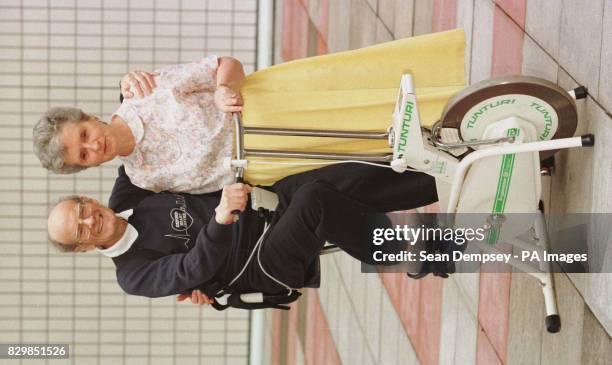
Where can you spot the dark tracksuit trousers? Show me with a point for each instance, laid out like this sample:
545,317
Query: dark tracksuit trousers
339,204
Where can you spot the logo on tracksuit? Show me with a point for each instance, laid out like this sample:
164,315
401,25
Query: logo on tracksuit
180,221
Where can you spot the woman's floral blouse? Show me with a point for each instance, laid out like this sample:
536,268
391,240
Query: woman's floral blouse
183,143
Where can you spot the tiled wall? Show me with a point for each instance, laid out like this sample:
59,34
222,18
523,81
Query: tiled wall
68,52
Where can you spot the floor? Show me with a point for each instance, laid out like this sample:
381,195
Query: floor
478,318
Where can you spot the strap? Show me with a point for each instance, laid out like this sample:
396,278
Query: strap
276,301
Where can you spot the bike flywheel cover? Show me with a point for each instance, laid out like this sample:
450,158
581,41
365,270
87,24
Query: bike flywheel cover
549,107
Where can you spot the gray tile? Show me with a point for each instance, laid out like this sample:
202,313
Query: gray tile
374,313
605,73
315,11
361,292
299,353
580,42
382,32
565,347
566,81
344,264
386,12
537,63
600,126
341,314
324,288
465,20
465,349
571,186
482,41
572,180
343,331
278,33
267,341
596,343
339,25
598,292
373,4
423,17
358,293
331,303
546,188
543,23
448,320
356,340
580,281
362,25
526,320
469,287
405,352
404,18
390,333
367,360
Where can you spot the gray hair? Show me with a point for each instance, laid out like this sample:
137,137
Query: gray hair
66,247
47,145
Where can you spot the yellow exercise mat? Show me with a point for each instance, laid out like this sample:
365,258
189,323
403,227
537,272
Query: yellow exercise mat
354,90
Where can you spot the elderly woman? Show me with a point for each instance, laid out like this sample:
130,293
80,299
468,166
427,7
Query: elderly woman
178,138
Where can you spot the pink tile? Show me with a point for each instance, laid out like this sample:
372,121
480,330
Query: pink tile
432,208
295,30
409,309
321,44
515,9
323,23
276,333
507,45
322,27
493,311
310,336
319,346
444,15
418,304
390,282
331,357
315,347
430,312
292,335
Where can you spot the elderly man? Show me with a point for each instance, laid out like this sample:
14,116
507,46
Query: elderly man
164,244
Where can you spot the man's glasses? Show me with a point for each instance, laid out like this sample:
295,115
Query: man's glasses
83,212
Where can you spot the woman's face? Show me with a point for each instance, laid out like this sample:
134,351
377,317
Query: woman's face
88,143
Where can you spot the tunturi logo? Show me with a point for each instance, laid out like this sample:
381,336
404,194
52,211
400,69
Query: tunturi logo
474,118
403,140
548,122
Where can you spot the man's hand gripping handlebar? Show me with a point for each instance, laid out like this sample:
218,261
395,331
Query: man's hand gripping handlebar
234,199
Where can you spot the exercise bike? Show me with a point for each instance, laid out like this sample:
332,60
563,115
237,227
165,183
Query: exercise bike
484,154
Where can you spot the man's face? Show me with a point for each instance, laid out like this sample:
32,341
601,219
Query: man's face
87,223
88,143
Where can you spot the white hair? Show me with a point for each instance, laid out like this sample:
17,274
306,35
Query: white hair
45,136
